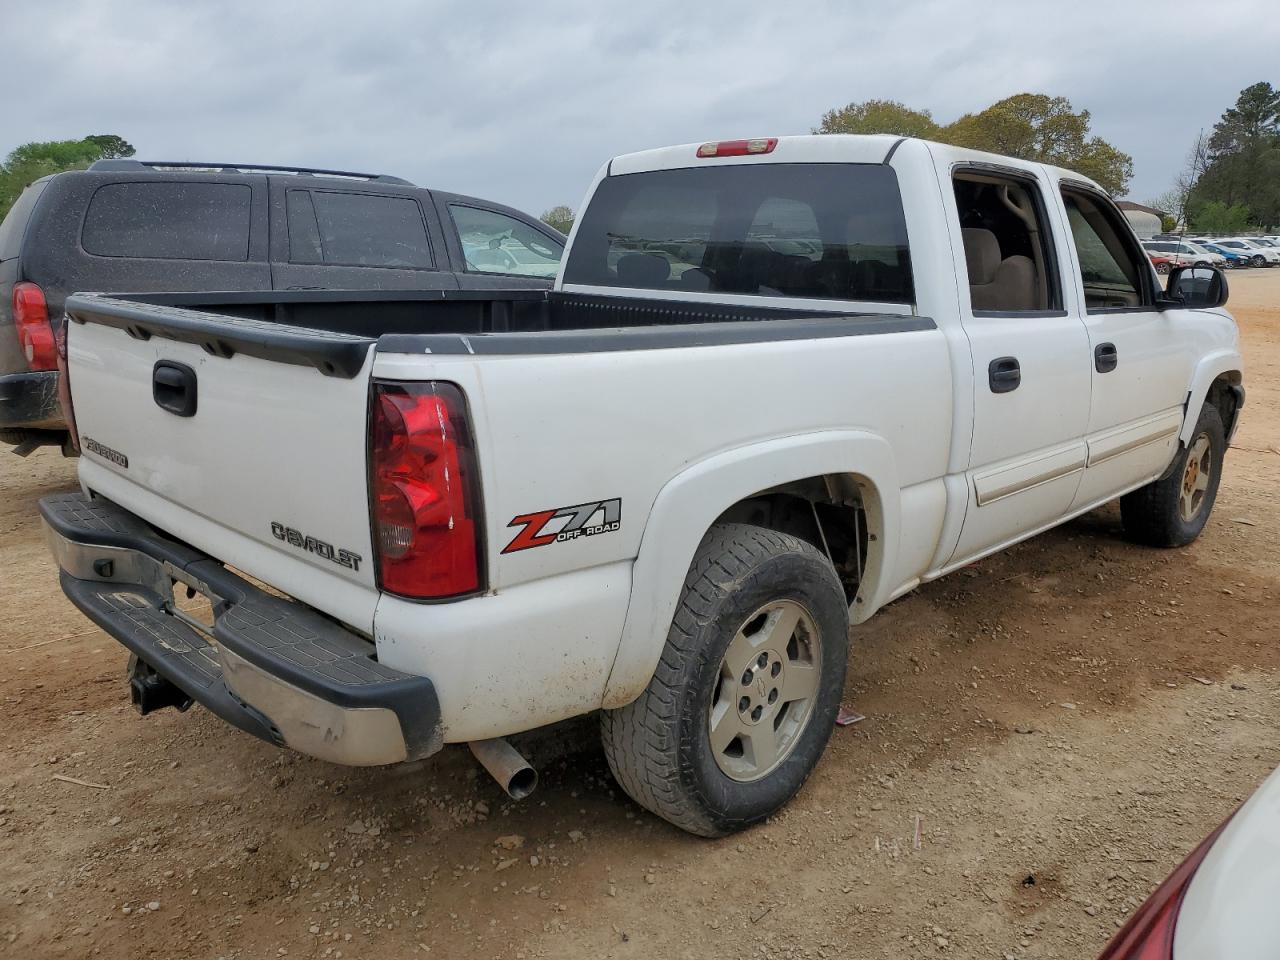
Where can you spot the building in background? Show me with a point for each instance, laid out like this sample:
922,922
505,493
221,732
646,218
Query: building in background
1144,220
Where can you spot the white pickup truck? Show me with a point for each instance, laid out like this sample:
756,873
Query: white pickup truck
779,383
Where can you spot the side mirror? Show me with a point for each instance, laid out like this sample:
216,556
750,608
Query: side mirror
1195,288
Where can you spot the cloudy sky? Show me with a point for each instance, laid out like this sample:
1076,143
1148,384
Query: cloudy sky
522,102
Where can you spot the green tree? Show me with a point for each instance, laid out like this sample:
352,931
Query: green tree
1216,217
31,161
1254,118
1033,126
1030,126
561,218
1244,157
112,147
880,116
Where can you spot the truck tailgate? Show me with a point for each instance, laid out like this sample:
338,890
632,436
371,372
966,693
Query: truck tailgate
233,437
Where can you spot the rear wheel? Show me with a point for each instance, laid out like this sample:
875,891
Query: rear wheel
745,695
1258,260
1171,511
1162,269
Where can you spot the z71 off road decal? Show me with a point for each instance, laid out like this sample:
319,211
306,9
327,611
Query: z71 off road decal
584,520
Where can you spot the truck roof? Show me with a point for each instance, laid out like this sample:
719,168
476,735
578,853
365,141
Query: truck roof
812,148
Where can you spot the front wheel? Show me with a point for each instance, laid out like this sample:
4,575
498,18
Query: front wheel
1163,269
1171,511
745,694
1259,260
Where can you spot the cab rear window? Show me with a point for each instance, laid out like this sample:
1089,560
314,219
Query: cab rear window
806,230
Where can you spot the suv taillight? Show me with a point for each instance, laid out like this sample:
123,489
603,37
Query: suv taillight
424,491
31,320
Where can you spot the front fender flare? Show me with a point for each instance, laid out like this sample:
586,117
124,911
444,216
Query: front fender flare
1207,370
688,504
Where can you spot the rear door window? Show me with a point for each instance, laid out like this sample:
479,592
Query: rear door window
169,221
360,229
810,230
304,232
1007,246
493,242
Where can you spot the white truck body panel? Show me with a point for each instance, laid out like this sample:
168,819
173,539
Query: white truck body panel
276,443
947,471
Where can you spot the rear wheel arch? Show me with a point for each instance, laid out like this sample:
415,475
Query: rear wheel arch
847,472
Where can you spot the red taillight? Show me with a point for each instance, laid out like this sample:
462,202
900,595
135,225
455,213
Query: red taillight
31,320
738,148
424,491
1149,933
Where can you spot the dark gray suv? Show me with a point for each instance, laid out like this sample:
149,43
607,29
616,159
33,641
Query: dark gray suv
125,226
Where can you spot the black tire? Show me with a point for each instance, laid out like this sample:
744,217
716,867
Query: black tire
1155,515
1163,269
659,746
1258,260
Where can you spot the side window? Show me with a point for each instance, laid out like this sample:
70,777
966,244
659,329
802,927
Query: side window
1007,246
304,232
1114,272
14,226
366,230
169,221
492,242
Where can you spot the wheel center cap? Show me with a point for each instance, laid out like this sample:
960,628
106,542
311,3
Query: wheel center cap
761,687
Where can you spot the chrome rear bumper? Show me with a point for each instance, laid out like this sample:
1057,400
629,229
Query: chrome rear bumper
270,666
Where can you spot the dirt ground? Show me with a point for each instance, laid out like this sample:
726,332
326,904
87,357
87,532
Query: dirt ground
1066,720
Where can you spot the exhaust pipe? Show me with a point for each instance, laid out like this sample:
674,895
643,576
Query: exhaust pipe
504,763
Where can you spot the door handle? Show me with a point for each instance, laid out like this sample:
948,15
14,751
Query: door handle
1105,357
173,387
1004,374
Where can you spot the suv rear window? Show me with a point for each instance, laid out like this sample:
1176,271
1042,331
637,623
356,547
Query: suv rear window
169,221
820,230
357,229
14,226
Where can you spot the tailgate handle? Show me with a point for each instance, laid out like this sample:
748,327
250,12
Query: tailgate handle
173,386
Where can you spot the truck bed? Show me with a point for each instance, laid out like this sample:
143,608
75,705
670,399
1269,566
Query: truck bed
333,331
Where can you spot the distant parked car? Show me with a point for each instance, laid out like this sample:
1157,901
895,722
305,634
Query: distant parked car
128,226
1220,904
1236,259
1162,263
1198,255
1259,256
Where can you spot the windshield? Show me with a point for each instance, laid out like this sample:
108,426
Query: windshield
812,230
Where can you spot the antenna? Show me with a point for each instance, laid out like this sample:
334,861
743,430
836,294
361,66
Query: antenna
1195,177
